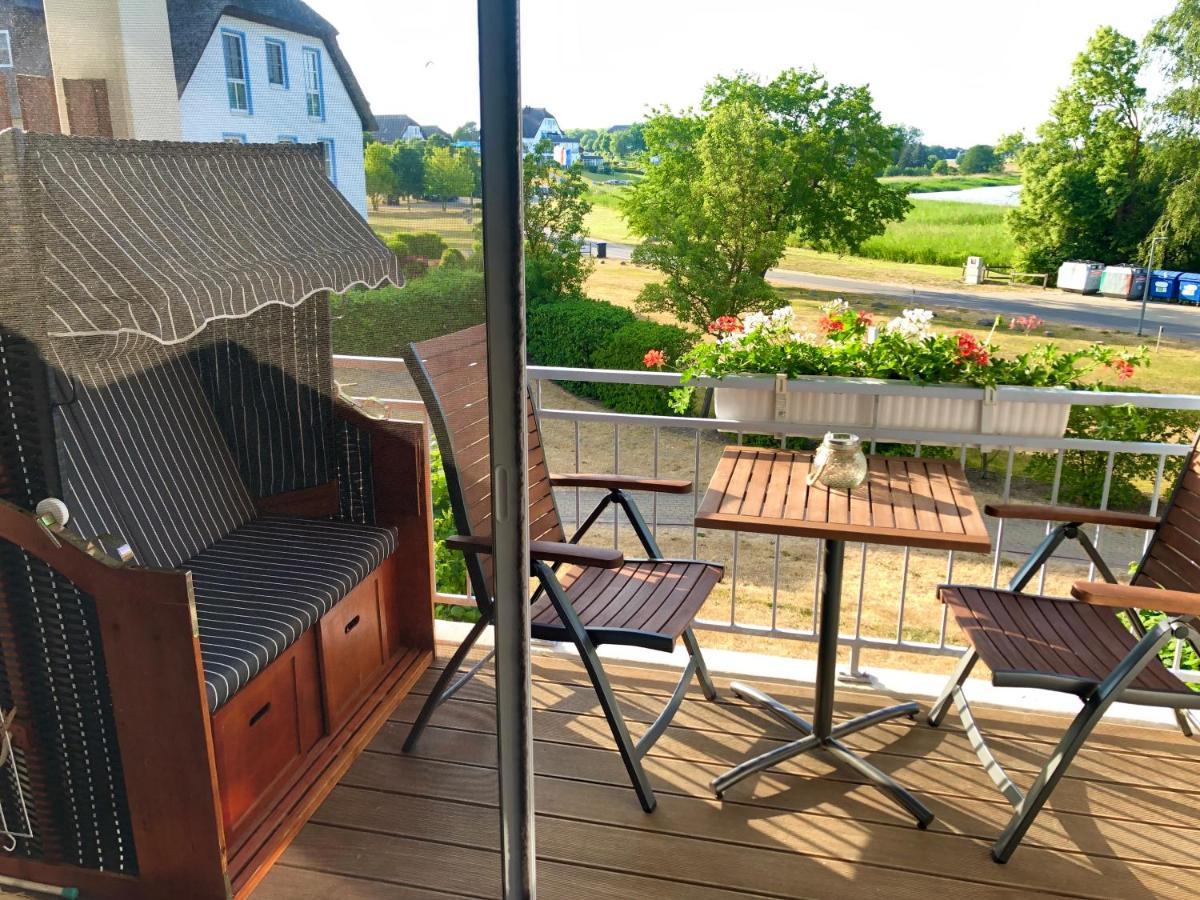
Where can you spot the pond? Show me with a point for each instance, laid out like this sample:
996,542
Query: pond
997,195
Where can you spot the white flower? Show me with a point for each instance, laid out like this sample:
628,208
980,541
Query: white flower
754,321
807,337
783,315
835,307
912,324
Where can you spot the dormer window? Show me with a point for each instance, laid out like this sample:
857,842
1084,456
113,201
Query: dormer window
6,60
314,88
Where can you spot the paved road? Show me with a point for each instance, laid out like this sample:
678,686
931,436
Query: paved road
1179,322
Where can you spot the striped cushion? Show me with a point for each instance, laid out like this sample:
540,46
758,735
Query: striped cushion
261,587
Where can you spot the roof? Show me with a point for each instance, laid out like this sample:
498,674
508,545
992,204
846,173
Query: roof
532,118
193,21
390,128
96,274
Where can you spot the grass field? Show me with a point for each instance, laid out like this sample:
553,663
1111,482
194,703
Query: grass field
943,232
455,224
931,183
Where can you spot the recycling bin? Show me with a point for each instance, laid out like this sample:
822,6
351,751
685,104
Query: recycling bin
1125,282
1189,288
1164,285
1080,275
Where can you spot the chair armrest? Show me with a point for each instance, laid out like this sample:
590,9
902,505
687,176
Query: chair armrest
1077,514
1124,596
623,482
550,551
343,409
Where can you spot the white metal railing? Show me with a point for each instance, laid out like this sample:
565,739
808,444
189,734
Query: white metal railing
695,432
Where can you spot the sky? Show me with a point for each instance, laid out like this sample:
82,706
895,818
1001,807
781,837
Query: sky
961,78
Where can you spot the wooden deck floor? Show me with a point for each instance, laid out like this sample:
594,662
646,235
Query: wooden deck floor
425,825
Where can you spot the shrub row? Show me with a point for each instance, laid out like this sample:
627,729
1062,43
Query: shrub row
585,333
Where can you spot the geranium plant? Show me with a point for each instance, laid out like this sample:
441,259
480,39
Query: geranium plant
850,343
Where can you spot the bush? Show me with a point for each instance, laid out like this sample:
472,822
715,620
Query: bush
625,349
426,245
382,322
569,332
1083,472
453,258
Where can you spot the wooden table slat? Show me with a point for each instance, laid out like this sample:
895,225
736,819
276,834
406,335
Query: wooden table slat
914,502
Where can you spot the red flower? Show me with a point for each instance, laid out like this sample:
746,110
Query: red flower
970,350
865,319
828,325
725,325
654,359
1124,369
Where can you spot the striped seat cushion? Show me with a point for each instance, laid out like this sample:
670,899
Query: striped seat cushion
262,586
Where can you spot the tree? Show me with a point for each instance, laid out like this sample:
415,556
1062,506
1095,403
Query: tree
447,175
1174,43
468,131
1010,146
941,167
408,165
555,206
1086,193
757,165
980,158
381,179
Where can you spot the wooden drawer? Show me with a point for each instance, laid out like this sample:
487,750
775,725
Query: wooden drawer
268,727
354,647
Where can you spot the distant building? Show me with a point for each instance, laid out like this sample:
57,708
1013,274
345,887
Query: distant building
258,71
27,95
539,125
592,160
405,128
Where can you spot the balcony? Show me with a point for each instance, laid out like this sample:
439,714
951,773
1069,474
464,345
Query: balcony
425,825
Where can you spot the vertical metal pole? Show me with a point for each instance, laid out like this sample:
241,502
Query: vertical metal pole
1146,287
504,283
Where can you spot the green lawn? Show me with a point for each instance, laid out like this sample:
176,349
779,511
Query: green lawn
454,224
945,233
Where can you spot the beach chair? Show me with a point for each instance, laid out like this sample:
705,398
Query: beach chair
1093,645
586,595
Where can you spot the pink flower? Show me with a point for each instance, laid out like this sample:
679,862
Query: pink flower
828,325
865,319
725,325
654,359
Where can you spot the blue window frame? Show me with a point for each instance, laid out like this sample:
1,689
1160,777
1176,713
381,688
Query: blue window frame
314,84
330,157
6,60
237,71
232,137
277,67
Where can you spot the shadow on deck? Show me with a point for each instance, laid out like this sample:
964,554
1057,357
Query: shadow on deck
426,825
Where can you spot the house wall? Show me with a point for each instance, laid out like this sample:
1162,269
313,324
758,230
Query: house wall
275,111
127,43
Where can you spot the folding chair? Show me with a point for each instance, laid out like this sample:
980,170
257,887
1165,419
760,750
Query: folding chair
1082,646
586,595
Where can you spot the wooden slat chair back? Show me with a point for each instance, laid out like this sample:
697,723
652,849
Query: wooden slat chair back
1172,559
589,596
1094,645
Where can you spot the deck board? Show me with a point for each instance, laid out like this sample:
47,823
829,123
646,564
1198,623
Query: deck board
425,826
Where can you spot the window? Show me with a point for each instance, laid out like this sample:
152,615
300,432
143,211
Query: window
237,77
330,159
314,88
277,73
5,51
230,138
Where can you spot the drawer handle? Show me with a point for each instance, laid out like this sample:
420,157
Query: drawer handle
352,624
258,715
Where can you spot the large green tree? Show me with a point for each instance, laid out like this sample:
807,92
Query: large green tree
1174,44
1086,192
408,165
758,164
555,206
448,175
381,179
977,159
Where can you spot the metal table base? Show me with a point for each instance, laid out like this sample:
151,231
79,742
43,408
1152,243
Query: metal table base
821,733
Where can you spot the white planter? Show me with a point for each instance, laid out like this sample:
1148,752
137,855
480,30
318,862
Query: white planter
903,413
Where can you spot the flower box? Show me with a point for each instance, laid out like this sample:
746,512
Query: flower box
987,415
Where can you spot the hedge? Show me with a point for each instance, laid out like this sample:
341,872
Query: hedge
625,349
569,332
382,322
426,245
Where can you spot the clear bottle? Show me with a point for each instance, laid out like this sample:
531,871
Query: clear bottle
839,462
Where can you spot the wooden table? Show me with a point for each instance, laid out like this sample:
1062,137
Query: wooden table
905,501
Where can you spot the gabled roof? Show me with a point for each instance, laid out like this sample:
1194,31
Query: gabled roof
192,23
390,128
532,118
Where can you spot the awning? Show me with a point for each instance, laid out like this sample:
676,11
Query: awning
125,241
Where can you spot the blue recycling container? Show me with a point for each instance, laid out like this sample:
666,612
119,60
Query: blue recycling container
1189,288
1164,284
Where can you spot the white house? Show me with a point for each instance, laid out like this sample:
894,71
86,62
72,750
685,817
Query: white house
539,125
265,71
